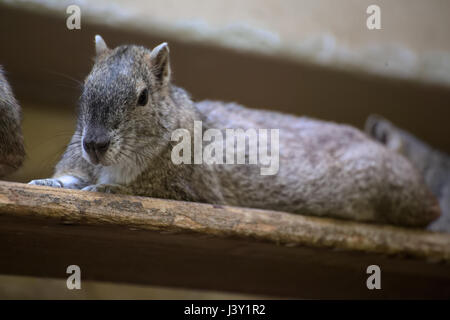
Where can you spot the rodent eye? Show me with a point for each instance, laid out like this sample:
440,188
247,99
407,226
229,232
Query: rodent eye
143,98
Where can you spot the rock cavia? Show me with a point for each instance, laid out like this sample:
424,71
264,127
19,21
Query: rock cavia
129,109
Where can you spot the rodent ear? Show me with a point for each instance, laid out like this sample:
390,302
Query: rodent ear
100,45
159,61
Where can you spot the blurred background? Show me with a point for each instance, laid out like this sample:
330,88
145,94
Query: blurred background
306,57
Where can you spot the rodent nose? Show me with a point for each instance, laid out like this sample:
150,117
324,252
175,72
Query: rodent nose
96,147
102,146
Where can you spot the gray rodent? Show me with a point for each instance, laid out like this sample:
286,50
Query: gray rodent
12,152
122,144
434,165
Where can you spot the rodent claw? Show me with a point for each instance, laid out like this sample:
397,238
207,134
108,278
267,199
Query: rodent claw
99,188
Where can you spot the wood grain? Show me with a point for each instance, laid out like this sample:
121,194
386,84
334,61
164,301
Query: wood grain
162,242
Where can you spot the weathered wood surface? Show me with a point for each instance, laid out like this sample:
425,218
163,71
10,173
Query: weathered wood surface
161,242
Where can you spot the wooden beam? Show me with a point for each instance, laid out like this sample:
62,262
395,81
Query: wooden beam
162,242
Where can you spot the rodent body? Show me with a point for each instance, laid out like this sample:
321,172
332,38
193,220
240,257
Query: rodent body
130,108
12,151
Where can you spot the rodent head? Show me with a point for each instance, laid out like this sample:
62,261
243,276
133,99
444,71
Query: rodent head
125,105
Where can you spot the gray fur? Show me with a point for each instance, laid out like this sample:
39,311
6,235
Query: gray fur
12,152
326,169
434,165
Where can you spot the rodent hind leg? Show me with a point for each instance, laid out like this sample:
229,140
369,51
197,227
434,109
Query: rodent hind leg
108,188
66,181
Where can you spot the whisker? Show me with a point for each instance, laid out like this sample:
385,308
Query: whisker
64,76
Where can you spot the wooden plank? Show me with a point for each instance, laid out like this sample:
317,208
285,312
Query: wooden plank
162,242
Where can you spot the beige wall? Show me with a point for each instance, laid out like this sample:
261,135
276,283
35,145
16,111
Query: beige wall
420,25
19,287
47,132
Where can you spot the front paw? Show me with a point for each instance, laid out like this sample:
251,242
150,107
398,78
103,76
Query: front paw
55,183
105,188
